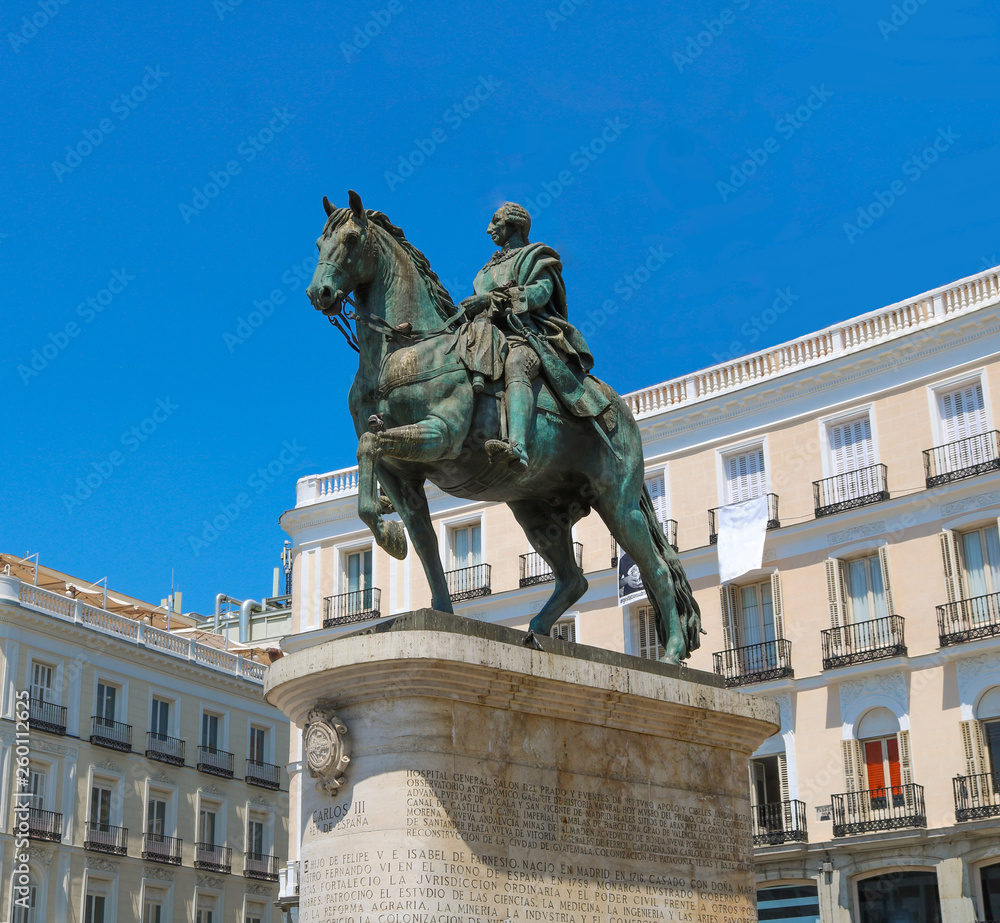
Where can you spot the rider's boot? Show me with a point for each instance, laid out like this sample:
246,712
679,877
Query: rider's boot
520,406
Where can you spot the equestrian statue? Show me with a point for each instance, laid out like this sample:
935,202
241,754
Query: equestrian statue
489,400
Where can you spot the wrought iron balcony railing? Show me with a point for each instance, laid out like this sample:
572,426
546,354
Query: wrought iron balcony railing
215,762
260,865
863,642
106,838
977,796
894,808
469,582
266,775
779,822
159,848
47,716
772,518
969,619
214,858
107,733
962,459
44,825
755,663
535,569
165,749
850,490
356,606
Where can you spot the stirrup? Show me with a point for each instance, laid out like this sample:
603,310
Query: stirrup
510,452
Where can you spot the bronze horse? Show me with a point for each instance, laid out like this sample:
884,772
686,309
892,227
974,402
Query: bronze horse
418,418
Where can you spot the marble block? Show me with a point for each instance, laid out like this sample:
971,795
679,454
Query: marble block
461,777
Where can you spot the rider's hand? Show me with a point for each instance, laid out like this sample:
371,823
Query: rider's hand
475,304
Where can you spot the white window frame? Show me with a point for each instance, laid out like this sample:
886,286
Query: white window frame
570,619
113,781
342,552
660,471
937,390
209,899
157,792
36,881
269,741
159,892
838,419
173,724
447,537
216,805
633,632
121,695
722,456
254,909
55,689
223,737
100,886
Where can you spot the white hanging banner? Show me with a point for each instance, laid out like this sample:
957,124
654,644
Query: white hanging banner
742,527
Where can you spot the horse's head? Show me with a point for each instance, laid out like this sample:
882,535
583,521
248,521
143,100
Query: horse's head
347,256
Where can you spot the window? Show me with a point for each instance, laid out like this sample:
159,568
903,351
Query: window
258,744
96,904
159,719
210,730
859,590
207,909
466,546
358,574
854,473
751,614
100,802
789,904
851,445
206,825
106,698
963,412
882,770
564,630
255,836
156,816
41,682
152,910
649,645
24,908
979,552
989,881
745,475
37,779
902,896
981,736
878,760
657,487
767,777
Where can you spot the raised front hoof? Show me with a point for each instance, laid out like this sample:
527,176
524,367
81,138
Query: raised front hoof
394,540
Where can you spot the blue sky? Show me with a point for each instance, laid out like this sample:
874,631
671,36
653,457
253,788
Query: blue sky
783,165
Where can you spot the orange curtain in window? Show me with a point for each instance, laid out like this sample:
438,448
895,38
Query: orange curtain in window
879,754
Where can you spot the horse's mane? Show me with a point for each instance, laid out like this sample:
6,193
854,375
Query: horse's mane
439,294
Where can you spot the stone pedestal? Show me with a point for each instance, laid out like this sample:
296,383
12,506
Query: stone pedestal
467,778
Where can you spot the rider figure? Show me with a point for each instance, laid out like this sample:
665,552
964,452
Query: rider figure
522,289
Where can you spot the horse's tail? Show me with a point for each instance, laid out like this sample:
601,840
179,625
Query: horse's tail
688,611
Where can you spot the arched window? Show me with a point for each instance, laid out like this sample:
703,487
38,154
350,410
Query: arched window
24,905
899,897
989,880
878,732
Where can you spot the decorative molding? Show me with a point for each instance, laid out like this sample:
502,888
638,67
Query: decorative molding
323,739
769,555
785,708
162,778
212,790
975,674
865,530
209,881
7,737
47,747
102,865
107,764
261,800
260,889
891,686
40,854
149,871
975,502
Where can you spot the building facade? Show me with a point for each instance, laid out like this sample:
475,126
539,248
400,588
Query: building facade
873,620
140,767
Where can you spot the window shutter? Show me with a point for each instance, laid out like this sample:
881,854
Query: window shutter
851,445
783,776
905,768
951,560
649,644
883,558
853,765
972,746
835,591
657,488
730,613
746,475
777,607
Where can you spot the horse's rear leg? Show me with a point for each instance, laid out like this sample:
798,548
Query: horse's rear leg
550,531
410,501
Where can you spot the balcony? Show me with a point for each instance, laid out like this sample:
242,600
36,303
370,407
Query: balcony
260,865
165,749
893,808
962,459
106,838
977,796
356,606
863,642
113,734
44,825
772,518
779,822
850,490
534,568
159,848
215,762
755,663
47,716
969,619
469,582
213,858
266,775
